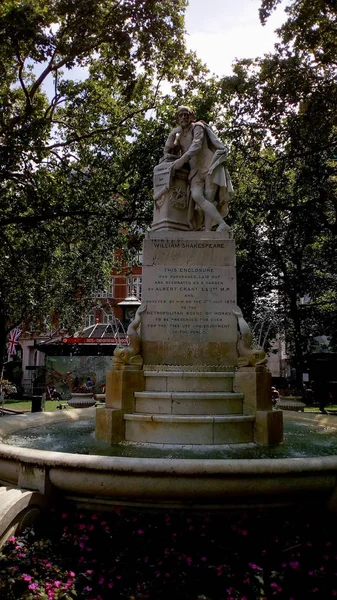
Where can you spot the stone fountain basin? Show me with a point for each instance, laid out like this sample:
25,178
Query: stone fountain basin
101,482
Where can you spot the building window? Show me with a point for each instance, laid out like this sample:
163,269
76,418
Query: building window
107,293
90,320
135,287
140,257
108,318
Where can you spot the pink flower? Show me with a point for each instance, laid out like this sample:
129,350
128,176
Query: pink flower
57,584
140,531
26,577
276,586
294,564
33,586
254,567
89,571
12,539
64,516
88,589
94,517
72,574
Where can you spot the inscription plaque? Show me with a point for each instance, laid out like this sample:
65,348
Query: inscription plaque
189,286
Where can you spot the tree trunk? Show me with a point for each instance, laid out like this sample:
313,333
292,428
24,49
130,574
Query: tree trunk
295,316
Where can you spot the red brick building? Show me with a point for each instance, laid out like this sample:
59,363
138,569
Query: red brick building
124,284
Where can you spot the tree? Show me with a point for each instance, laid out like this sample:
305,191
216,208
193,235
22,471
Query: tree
67,194
281,120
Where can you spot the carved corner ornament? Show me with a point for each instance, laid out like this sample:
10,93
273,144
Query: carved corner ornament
250,355
129,357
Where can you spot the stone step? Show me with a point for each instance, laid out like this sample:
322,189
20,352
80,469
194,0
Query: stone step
189,381
189,429
189,403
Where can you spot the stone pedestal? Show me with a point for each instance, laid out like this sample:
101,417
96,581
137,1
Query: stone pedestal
189,391
255,384
189,286
121,386
268,427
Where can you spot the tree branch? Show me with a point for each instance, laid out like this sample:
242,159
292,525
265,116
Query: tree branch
47,216
22,83
90,134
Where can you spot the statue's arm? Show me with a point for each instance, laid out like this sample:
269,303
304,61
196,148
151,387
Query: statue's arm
195,147
171,141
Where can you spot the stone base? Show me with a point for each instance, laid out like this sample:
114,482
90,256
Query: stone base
120,387
255,384
182,407
189,429
110,426
268,427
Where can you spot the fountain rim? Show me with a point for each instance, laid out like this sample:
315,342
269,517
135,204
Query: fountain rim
258,466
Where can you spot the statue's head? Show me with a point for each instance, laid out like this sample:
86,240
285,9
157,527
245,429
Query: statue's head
185,109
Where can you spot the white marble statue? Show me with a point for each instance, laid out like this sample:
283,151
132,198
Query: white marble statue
209,183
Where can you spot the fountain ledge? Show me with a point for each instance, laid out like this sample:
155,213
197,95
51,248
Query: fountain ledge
104,482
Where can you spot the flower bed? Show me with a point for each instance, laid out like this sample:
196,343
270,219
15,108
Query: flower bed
259,555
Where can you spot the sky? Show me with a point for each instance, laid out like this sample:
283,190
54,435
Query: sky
222,30
219,31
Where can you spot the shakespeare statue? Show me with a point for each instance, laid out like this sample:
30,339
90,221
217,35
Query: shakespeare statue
192,180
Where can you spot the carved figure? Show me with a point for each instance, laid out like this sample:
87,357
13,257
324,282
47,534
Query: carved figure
249,354
130,355
210,185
